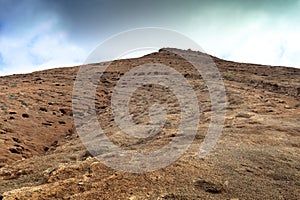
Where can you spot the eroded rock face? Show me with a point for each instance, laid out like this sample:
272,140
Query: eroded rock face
257,156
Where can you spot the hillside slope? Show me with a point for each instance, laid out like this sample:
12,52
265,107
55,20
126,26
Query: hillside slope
257,156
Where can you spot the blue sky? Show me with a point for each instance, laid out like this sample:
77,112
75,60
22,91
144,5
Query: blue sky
41,34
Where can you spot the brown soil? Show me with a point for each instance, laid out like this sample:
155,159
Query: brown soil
257,157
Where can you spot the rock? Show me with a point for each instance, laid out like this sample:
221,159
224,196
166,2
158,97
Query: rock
17,140
38,79
243,115
287,107
47,124
14,150
209,186
25,115
43,109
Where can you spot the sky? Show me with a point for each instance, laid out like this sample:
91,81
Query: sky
42,34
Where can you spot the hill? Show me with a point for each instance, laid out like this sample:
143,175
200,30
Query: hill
257,156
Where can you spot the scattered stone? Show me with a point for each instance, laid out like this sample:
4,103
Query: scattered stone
66,111
287,107
54,144
43,109
280,177
209,186
38,79
243,115
102,107
47,124
25,115
12,96
12,150
16,140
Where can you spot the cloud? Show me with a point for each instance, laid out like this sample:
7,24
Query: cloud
41,48
254,35
267,44
40,34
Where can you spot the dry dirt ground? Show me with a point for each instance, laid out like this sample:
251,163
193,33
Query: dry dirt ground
257,156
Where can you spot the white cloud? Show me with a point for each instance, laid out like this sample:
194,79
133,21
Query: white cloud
42,48
255,38
268,46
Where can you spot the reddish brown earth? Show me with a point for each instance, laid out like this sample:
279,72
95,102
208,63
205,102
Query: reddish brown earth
257,156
